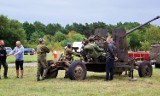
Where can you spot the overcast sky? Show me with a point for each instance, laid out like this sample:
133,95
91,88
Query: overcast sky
81,11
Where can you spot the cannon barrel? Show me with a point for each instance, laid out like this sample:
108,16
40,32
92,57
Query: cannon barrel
130,31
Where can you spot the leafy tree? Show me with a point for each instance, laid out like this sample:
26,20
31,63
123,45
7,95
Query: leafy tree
40,27
29,29
78,37
71,34
18,33
59,36
152,35
53,28
35,37
4,27
79,28
135,39
130,25
68,28
145,45
48,38
11,31
74,36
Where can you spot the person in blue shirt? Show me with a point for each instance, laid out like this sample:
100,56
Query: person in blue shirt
18,52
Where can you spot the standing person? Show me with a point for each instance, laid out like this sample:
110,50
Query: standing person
3,55
110,57
18,52
41,59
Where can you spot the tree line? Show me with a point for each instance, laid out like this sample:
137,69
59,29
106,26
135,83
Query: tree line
57,36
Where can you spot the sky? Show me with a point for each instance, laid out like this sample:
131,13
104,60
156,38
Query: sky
81,11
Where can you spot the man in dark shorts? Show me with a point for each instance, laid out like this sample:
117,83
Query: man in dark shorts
18,52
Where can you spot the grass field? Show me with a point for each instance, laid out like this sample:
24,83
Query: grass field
28,58
94,85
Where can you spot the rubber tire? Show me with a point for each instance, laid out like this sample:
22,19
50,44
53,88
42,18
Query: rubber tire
72,70
141,69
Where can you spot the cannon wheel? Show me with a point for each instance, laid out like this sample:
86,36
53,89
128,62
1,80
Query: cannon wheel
77,71
52,72
145,69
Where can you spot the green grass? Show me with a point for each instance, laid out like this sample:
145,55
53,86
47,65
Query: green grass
94,85
28,58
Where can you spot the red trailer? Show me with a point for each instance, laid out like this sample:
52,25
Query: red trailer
139,55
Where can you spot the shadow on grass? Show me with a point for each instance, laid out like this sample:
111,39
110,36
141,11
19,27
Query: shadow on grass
96,77
103,76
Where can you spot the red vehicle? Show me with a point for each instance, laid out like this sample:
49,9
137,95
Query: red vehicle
139,55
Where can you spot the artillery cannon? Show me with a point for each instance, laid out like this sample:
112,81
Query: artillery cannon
130,31
78,69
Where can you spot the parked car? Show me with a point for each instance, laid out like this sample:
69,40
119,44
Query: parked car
29,51
8,49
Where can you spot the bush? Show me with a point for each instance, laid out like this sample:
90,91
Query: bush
145,45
